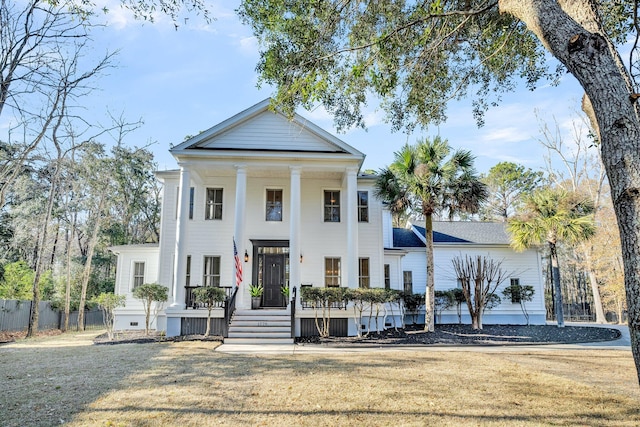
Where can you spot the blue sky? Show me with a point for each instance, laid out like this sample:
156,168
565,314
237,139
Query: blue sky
185,81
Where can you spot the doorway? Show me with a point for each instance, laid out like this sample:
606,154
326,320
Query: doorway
272,270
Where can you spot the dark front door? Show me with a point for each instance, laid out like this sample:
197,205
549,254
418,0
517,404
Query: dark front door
273,280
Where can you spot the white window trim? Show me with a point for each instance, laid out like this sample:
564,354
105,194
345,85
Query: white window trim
264,202
224,202
133,273
323,206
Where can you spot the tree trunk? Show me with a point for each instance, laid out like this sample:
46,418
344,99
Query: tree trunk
573,37
555,271
597,301
87,266
429,294
32,329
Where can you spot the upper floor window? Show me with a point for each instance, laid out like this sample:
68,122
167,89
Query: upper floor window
138,274
192,192
331,206
364,280
191,197
363,206
274,205
213,206
332,272
211,273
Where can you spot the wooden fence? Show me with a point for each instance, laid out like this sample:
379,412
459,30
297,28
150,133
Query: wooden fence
14,316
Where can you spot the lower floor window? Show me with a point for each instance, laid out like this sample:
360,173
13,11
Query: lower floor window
363,273
211,275
138,274
408,281
332,272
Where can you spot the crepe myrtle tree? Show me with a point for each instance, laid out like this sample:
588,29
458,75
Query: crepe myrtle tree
150,293
108,302
209,295
414,57
479,277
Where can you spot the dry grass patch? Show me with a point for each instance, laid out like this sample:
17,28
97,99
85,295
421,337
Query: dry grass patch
188,384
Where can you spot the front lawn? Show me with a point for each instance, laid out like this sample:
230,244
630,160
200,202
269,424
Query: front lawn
66,380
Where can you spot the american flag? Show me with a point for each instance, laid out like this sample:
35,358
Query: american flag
236,258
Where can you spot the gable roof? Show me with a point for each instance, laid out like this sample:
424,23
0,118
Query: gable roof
460,232
259,128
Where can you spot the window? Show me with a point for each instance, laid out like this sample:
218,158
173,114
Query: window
213,207
407,279
515,294
387,277
191,197
331,206
332,272
211,275
274,205
364,280
363,206
138,274
187,279
192,192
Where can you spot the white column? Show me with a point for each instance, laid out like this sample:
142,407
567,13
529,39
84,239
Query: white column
238,230
294,230
351,201
179,262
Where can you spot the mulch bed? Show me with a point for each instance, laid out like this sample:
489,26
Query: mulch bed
464,335
411,335
6,337
415,335
139,337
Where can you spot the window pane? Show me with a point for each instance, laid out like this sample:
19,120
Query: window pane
274,205
387,277
331,206
187,280
332,272
191,196
363,273
213,206
138,274
408,281
211,274
363,206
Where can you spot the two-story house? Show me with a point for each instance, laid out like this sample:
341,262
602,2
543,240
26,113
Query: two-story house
260,199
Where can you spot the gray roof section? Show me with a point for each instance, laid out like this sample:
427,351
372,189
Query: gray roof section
462,232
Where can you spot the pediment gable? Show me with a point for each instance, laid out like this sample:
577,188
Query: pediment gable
261,129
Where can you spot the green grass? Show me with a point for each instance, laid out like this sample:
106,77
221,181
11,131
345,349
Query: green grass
65,380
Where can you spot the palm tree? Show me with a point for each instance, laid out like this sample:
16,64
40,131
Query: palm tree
428,178
552,215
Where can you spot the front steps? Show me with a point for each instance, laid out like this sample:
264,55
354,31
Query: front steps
265,326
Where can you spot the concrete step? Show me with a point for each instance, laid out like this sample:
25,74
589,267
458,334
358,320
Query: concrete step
238,328
261,313
256,341
257,335
261,322
237,318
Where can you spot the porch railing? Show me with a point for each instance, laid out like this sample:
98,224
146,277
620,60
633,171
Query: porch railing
304,304
229,309
190,299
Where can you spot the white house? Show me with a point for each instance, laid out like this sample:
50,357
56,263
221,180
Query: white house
290,198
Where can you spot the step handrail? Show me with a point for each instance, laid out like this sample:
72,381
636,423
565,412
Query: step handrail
229,309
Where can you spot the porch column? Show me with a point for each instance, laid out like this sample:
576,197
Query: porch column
179,262
294,230
351,201
239,226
